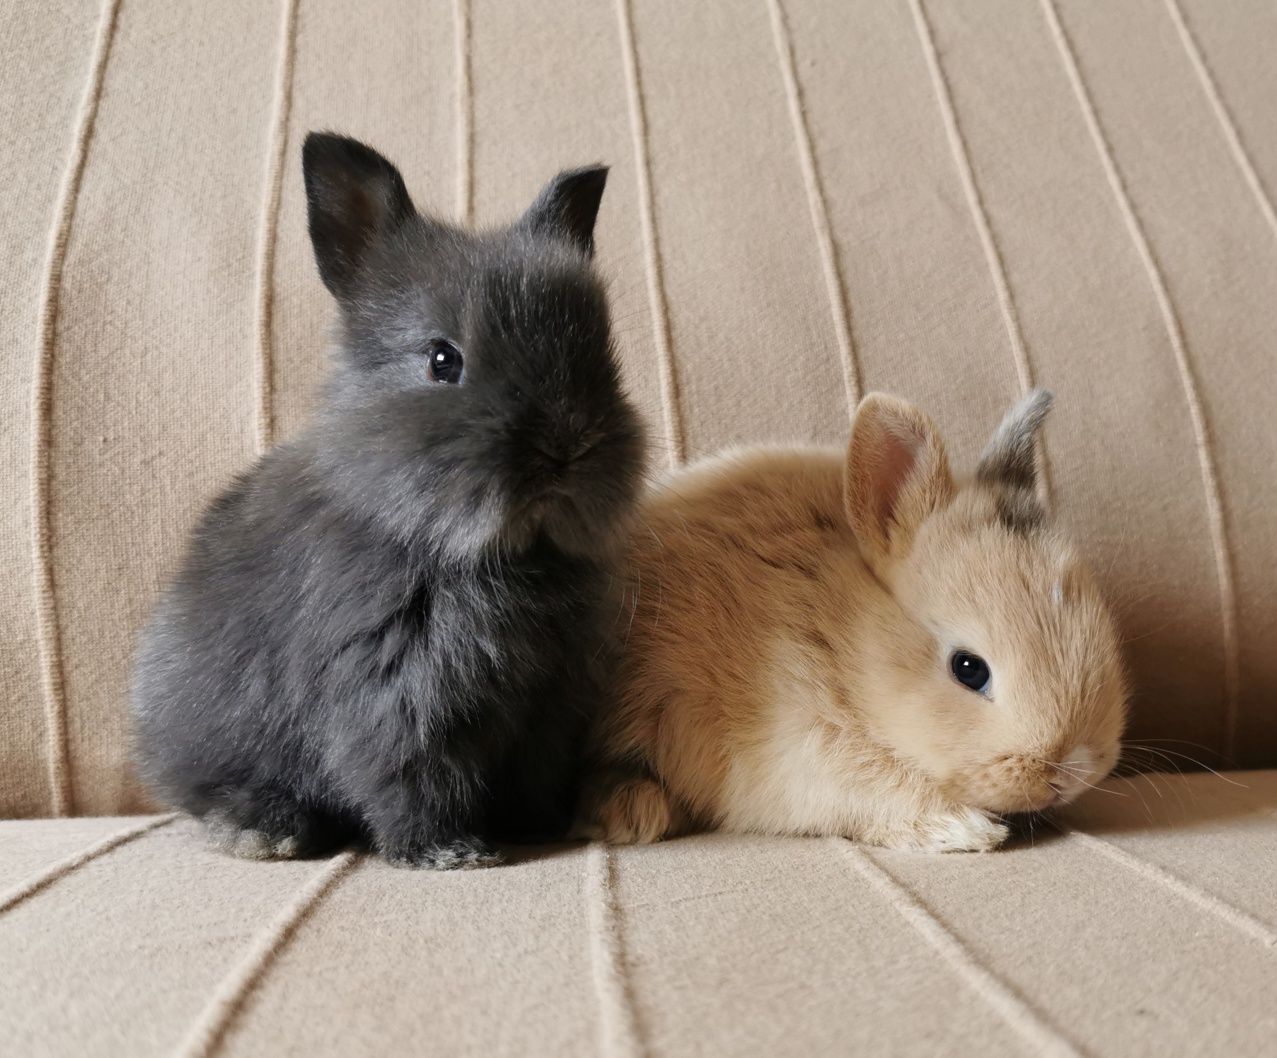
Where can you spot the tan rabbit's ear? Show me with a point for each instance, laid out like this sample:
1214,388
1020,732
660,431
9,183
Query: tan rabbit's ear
897,474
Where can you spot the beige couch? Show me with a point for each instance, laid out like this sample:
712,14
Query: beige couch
950,200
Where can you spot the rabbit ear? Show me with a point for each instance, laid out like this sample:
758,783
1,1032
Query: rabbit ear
1009,463
897,474
353,196
568,205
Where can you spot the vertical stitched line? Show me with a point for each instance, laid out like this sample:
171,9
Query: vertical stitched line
465,112
1226,123
1000,997
209,1030
657,302
816,201
618,1026
980,215
1175,333
48,629
975,201
72,863
1243,921
268,235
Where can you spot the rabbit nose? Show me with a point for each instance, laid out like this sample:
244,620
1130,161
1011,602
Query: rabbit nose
574,438
1073,772
563,452
561,449
584,442
555,455
559,430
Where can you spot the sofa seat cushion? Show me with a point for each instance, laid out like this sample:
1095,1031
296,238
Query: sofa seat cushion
1148,926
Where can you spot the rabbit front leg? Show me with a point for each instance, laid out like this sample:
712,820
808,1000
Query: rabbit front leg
625,804
902,809
426,817
417,775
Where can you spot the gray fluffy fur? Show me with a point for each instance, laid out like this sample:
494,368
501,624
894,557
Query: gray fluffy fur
1008,464
392,628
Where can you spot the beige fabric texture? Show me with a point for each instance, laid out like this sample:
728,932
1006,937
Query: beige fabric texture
1149,930
809,200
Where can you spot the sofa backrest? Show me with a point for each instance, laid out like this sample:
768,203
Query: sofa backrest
808,201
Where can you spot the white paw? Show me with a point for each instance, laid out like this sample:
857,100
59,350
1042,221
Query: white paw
464,855
961,830
253,844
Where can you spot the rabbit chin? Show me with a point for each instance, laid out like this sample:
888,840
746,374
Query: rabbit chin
556,518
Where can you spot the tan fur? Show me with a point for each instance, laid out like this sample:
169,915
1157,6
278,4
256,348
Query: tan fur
786,673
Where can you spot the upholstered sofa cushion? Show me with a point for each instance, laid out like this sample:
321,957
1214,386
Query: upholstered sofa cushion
1150,928
809,199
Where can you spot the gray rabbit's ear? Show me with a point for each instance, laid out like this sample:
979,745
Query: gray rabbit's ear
353,196
568,205
1009,463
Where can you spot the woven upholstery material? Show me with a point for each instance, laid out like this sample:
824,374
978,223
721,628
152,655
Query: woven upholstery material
808,200
1151,930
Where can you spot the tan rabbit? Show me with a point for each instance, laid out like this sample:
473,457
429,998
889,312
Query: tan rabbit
854,645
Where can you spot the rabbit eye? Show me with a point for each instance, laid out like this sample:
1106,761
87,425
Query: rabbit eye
971,671
445,362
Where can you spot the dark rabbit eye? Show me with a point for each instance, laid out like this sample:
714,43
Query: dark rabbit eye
445,362
971,671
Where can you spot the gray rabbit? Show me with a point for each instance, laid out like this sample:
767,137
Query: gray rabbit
391,629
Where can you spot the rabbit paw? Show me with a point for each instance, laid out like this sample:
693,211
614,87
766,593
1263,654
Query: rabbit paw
250,844
635,812
462,855
957,830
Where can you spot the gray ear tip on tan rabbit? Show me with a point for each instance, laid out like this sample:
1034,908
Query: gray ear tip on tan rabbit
851,642
1009,458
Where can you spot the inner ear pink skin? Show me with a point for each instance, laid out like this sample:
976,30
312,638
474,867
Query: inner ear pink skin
896,475
892,463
